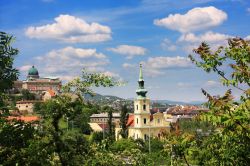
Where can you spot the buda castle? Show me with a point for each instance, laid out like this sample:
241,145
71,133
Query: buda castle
36,84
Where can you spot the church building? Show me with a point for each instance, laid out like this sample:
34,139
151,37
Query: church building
142,124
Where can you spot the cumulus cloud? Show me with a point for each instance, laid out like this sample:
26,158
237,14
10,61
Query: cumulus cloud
156,66
190,41
128,50
168,62
24,68
128,65
210,37
68,62
67,28
195,19
168,45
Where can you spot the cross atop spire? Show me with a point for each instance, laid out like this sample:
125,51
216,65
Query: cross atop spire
140,74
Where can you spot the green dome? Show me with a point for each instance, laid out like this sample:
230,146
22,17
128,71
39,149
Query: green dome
33,72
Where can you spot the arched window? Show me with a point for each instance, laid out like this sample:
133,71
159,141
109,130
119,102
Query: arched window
145,121
137,120
136,107
144,107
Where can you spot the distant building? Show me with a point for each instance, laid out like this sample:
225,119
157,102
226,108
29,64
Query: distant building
27,106
177,113
34,83
49,94
142,124
99,122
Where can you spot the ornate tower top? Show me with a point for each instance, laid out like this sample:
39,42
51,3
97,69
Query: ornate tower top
141,91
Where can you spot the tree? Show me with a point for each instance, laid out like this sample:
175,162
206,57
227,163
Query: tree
70,151
27,95
8,74
230,143
123,121
111,126
15,135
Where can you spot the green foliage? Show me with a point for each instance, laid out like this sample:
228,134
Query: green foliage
194,125
7,53
123,121
8,74
27,95
230,143
156,145
82,85
96,137
15,137
124,144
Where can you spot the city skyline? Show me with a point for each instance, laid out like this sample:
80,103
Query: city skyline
114,37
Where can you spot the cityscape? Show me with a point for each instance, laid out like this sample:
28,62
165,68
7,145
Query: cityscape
125,82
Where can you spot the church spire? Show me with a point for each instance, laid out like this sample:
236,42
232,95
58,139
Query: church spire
141,91
140,74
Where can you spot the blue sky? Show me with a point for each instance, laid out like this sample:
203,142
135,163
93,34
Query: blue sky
60,37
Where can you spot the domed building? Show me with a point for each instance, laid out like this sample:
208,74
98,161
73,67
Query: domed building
36,84
33,73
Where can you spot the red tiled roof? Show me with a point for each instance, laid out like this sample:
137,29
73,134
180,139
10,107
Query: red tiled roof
130,121
103,125
24,118
185,110
151,117
51,92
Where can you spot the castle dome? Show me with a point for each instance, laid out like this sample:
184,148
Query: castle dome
33,73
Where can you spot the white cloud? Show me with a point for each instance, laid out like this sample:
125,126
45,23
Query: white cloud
190,41
68,62
184,85
24,68
129,51
156,66
167,45
212,84
69,52
209,37
195,19
247,38
168,62
248,10
128,65
70,29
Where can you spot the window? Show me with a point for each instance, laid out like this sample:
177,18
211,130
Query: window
136,107
137,120
145,120
159,120
144,107
137,136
